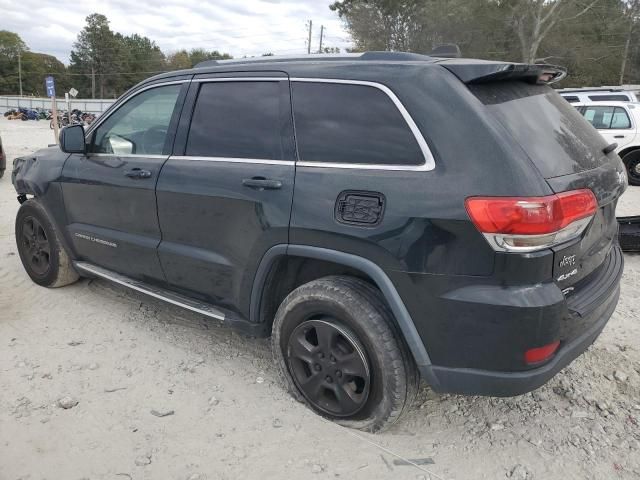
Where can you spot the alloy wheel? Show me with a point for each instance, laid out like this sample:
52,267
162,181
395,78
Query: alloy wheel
36,247
329,366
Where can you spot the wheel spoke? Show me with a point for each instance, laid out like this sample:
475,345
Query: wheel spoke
301,349
44,246
351,364
326,334
27,228
345,397
314,386
40,235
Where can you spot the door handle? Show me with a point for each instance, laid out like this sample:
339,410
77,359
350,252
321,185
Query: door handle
138,173
618,136
261,183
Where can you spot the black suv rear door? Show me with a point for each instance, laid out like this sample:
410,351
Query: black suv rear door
109,193
224,197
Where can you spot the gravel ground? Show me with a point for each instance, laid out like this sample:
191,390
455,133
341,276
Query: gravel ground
98,382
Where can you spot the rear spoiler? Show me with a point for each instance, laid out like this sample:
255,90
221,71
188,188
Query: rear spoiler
473,72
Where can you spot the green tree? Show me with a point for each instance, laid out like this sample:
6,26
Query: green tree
140,57
11,45
37,66
182,59
96,56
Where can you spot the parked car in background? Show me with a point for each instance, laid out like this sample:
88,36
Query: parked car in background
598,94
618,122
373,245
3,159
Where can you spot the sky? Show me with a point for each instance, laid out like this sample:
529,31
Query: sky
240,27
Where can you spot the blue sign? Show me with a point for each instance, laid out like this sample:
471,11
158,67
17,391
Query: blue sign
50,84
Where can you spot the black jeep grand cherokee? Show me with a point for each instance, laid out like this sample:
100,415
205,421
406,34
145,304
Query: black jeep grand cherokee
383,216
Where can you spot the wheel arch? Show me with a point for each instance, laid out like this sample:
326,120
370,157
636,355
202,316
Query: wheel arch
628,150
360,266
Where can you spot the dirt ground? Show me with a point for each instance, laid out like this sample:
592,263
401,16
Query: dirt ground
122,356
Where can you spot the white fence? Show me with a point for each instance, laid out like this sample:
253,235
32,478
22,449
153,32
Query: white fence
86,105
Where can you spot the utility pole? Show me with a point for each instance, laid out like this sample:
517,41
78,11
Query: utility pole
309,44
20,70
93,81
321,33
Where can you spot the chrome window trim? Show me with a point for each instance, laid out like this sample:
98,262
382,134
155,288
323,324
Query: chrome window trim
240,79
261,161
429,161
131,155
124,100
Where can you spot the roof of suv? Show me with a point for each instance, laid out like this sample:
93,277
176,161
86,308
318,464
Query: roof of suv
611,103
468,70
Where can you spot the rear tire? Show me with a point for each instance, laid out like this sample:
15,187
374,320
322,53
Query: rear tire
353,368
632,162
41,252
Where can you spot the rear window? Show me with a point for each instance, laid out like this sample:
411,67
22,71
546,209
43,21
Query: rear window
553,133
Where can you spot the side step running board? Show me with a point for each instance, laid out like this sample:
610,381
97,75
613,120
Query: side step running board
228,318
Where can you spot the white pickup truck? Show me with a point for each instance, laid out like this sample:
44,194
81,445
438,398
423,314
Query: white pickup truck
618,122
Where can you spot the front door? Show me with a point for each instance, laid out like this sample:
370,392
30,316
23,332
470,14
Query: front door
224,198
109,193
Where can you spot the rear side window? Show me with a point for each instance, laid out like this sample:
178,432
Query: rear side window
358,124
620,119
609,98
605,118
238,120
552,132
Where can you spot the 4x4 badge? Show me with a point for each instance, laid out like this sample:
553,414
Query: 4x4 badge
563,277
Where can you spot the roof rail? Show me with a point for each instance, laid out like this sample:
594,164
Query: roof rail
371,56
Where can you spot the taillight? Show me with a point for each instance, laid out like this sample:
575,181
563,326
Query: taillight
540,354
525,224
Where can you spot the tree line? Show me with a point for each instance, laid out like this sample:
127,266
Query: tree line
597,40
103,63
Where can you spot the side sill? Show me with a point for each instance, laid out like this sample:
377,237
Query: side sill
227,318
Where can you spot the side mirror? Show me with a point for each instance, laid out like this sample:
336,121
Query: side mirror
72,139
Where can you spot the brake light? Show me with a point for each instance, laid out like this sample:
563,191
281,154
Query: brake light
532,223
540,354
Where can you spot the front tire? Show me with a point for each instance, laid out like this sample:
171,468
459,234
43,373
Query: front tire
338,350
41,252
632,161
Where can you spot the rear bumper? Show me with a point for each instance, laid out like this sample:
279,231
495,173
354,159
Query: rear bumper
470,381
590,317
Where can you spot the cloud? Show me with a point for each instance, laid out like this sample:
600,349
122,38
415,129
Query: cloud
249,27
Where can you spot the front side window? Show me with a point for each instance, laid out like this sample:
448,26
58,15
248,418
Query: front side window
605,118
140,125
239,120
357,124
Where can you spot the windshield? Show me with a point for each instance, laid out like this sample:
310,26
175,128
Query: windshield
554,135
